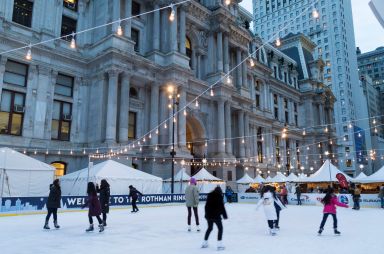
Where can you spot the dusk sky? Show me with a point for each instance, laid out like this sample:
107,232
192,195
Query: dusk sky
368,33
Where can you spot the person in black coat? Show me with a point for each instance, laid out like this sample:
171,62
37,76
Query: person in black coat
53,203
214,210
298,194
105,193
134,194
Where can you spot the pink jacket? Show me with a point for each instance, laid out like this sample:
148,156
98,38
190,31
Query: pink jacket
331,207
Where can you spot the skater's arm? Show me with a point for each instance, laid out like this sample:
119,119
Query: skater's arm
336,202
259,203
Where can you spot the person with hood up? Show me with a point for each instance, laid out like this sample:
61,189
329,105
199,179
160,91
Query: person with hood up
192,202
214,210
94,207
134,194
53,203
267,200
105,193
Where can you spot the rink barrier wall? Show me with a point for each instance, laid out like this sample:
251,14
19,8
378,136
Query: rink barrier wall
366,200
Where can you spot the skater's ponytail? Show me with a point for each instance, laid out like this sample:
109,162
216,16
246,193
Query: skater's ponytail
327,199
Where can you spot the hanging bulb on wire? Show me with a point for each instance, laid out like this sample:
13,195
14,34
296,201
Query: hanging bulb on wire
228,80
251,62
173,14
227,2
185,112
278,42
197,104
315,14
326,129
119,29
165,125
211,92
374,121
73,42
29,53
157,131
304,133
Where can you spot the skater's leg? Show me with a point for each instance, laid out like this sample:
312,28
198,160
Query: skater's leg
104,217
209,229
189,215
48,215
134,206
90,219
334,220
325,216
195,212
278,218
270,224
99,219
219,225
54,212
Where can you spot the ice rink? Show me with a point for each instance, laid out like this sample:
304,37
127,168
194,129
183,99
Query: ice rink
164,230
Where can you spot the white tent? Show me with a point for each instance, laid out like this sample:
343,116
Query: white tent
302,178
268,179
119,177
181,180
361,176
244,182
377,177
279,178
207,182
258,179
326,173
23,176
292,178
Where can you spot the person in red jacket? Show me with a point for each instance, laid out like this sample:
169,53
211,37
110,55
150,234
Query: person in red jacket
94,207
330,202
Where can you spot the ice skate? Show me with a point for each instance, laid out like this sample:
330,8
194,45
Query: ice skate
56,225
272,232
336,231
320,231
101,228
90,229
197,228
104,223
220,245
189,229
204,245
46,225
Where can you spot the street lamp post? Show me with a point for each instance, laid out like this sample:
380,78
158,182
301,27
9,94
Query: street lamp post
174,103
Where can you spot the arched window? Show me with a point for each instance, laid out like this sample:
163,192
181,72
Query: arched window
133,93
61,168
188,50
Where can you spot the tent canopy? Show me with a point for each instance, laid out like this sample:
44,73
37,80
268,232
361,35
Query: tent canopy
206,182
23,176
246,179
118,175
268,179
259,179
279,178
377,177
292,178
359,177
182,175
326,173
181,180
204,175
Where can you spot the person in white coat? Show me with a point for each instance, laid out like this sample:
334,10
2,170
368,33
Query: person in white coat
268,200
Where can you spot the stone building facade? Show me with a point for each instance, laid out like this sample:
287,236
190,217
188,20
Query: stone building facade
110,92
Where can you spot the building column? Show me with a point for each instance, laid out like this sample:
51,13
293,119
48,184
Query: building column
255,139
163,112
239,79
182,31
128,22
241,133
112,106
182,125
247,136
321,114
115,14
3,61
198,66
41,102
173,25
124,108
219,39
244,70
253,92
226,54
154,114
221,123
228,131
156,28
211,47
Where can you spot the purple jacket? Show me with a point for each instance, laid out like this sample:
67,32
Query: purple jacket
331,207
94,205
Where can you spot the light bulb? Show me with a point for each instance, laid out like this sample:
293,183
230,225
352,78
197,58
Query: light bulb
315,14
71,152
227,2
242,141
73,42
326,129
29,54
211,93
150,135
185,112
350,125
304,133
157,131
229,81
165,125
374,121
205,144
173,14
251,62
197,103
119,30
278,42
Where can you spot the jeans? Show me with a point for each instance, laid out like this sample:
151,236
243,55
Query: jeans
298,199
325,216
382,202
190,215
134,206
97,217
356,203
278,218
51,211
219,225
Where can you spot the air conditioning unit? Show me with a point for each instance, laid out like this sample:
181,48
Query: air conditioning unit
67,117
18,109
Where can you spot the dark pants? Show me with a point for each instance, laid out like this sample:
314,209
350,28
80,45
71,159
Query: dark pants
285,199
278,217
104,217
271,223
356,203
219,225
51,211
190,215
134,206
97,217
382,202
298,199
325,216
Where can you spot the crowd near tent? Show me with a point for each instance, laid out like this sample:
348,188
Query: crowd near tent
244,183
326,173
206,182
377,177
181,181
23,176
118,175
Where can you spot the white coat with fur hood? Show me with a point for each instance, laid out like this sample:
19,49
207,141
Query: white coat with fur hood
267,201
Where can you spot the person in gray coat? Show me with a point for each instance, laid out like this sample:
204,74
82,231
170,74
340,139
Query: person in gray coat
53,203
192,202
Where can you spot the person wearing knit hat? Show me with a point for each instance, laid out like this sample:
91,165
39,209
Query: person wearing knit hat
192,202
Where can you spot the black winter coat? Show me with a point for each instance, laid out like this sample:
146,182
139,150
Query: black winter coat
105,193
214,207
54,197
134,194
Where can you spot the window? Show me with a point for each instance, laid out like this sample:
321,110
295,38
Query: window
61,168
276,107
277,149
132,125
64,85
188,50
135,36
15,73
68,26
257,97
133,93
61,120
135,8
260,151
348,163
229,175
22,12
70,4
11,112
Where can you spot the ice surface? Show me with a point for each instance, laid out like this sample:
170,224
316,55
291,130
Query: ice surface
163,230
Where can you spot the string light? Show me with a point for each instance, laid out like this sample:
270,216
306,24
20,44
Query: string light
315,14
173,14
229,80
211,93
251,62
278,42
73,42
197,104
227,2
304,133
185,112
165,125
119,29
29,53
157,131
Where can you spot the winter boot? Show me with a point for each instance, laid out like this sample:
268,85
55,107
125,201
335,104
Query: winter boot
189,228
320,231
56,225
205,244
46,225
197,228
336,231
101,228
220,245
104,223
90,229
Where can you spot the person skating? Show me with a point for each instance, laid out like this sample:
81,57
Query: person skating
330,202
278,206
53,203
229,194
298,194
284,195
214,210
356,198
105,193
381,195
267,200
192,202
94,207
134,194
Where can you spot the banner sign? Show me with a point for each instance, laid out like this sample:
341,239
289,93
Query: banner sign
73,202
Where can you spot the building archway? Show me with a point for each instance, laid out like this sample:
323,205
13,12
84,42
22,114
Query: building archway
61,168
196,139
